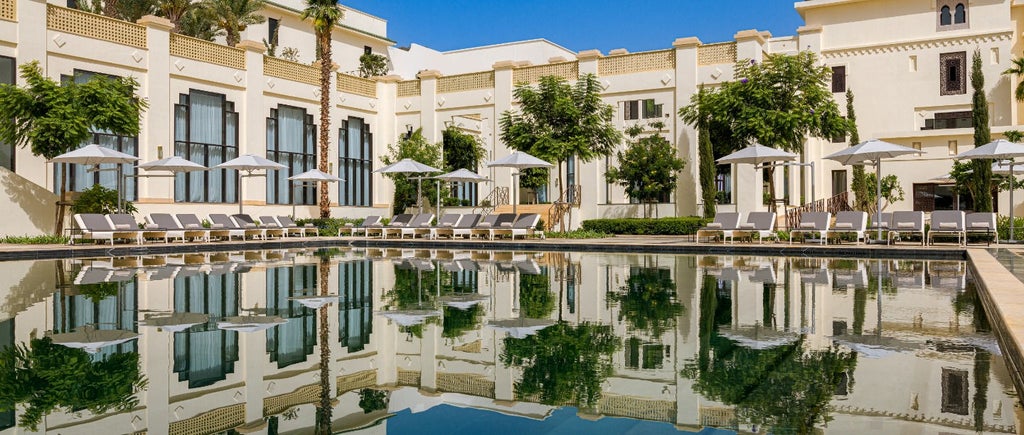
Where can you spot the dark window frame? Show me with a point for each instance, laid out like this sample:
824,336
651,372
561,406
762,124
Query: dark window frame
357,171
838,79
184,103
307,194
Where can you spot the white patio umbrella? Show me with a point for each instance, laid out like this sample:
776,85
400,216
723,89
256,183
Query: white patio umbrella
313,176
757,154
521,327
248,163
1000,149
96,155
872,150
458,176
90,339
250,323
176,322
173,164
518,160
409,166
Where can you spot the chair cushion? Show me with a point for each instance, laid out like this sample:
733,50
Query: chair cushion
905,225
979,225
806,224
123,226
948,225
747,226
844,225
715,225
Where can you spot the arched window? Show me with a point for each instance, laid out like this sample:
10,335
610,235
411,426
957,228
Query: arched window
960,16
945,18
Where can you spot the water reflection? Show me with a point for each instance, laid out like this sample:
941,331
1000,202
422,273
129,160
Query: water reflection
346,339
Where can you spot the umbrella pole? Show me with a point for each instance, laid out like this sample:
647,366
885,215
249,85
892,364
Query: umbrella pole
239,192
878,197
419,190
515,190
1012,180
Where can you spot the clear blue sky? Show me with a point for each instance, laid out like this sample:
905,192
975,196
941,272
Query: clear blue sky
576,24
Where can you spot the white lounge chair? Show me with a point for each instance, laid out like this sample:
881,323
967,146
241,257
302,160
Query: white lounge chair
947,223
724,224
814,223
906,223
851,222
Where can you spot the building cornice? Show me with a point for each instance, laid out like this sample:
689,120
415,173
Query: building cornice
351,29
909,45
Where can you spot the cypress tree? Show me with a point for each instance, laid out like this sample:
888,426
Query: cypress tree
860,185
982,168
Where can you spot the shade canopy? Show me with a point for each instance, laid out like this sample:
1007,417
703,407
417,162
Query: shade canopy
758,338
94,155
998,149
409,317
314,301
463,301
871,150
173,164
521,327
406,166
1003,168
315,175
250,323
176,322
757,154
462,176
519,160
91,339
249,163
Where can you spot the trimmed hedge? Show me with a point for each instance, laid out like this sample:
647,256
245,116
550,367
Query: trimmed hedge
673,226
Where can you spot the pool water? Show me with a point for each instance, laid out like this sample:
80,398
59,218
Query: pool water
422,341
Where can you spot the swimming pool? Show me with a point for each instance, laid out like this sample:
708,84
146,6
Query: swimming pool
505,342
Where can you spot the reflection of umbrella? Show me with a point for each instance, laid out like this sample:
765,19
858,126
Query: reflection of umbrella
176,322
518,160
98,155
314,301
96,275
250,323
758,337
173,164
463,301
872,150
248,163
91,339
874,346
528,267
409,317
459,176
1000,149
521,327
409,166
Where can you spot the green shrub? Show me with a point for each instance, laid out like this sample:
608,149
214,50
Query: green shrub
661,226
46,239
99,199
577,234
1003,227
329,226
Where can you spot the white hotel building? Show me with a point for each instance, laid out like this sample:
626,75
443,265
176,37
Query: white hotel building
906,61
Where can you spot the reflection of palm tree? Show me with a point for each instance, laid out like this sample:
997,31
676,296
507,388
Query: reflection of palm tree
324,410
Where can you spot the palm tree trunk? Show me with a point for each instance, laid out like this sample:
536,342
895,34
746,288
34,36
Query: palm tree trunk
324,409
325,117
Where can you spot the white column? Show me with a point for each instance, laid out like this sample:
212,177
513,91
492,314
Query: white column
252,129
32,41
503,86
688,190
156,137
429,103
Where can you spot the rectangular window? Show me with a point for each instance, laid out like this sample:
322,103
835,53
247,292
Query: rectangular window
916,145
355,304
913,63
651,110
953,73
273,26
206,132
723,183
292,342
367,49
631,109
952,148
8,76
838,79
355,154
291,137
955,391
838,182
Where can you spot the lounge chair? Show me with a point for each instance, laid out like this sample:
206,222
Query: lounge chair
724,224
814,223
127,221
175,230
525,225
95,226
419,221
947,223
291,227
446,221
981,223
463,228
851,222
220,226
485,226
369,221
761,223
884,221
268,229
906,223
191,222
399,220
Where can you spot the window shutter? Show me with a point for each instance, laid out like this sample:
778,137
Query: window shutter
838,79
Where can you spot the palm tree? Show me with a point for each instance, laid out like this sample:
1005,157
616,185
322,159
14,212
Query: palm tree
174,10
234,16
1017,70
325,14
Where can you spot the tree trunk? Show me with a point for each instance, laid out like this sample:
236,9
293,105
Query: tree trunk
110,9
324,408
325,117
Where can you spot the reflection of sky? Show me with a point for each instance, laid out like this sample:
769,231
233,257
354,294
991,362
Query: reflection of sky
447,419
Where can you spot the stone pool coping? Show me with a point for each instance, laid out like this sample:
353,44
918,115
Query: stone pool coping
617,244
1002,295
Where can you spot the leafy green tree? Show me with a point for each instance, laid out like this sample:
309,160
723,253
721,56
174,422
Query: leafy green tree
54,118
198,22
234,16
372,400
1017,70
372,65
557,121
981,168
461,150
536,301
458,321
648,300
891,192
706,156
779,103
45,377
648,168
99,199
325,14
416,147
563,364
861,187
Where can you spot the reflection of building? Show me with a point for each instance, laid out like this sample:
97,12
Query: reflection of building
920,357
